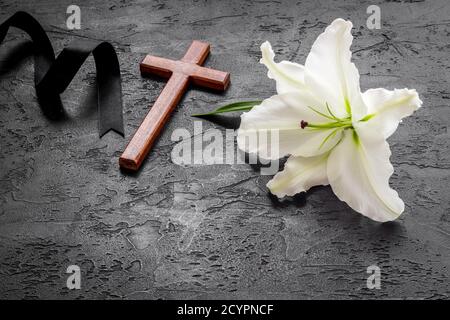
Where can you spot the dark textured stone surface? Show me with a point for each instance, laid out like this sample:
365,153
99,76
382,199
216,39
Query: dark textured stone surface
213,231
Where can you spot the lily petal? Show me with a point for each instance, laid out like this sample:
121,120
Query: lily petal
359,172
299,175
330,74
281,115
386,108
289,76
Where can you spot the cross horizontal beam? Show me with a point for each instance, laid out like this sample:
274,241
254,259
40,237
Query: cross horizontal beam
200,76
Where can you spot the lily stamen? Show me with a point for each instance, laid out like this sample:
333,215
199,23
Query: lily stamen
342,123
336,123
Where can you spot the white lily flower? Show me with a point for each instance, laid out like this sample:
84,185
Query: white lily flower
333,133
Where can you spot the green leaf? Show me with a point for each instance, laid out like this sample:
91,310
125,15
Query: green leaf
232,107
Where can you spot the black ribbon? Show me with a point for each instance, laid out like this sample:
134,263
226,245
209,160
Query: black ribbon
52,76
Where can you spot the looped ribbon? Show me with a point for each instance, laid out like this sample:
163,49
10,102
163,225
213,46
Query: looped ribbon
52,76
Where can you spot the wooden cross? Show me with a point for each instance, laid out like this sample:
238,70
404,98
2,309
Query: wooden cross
180,73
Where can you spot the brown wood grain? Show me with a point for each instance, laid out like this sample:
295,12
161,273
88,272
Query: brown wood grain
180,74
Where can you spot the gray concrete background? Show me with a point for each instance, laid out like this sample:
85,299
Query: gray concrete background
213,231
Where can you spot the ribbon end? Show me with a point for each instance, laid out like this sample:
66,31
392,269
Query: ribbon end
119,131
